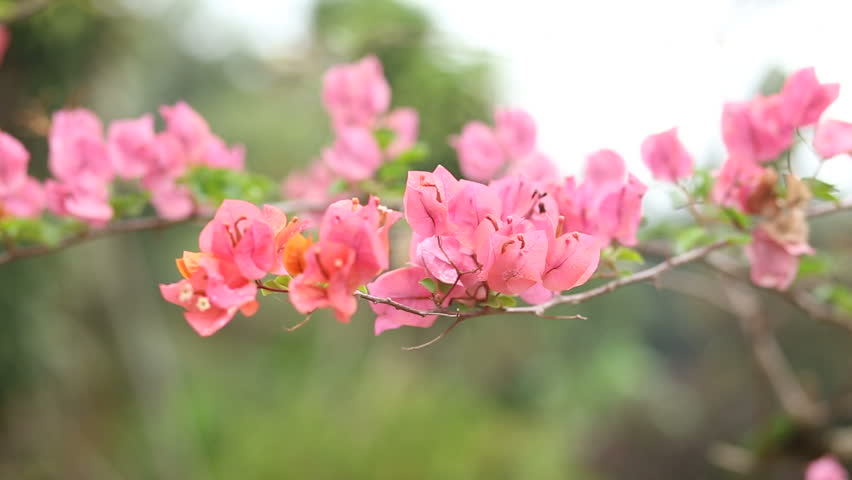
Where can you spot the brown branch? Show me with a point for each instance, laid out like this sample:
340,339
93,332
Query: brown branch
123,226
829,208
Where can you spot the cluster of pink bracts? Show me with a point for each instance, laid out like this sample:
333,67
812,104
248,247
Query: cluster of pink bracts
84,164
357,98
242,244
756,132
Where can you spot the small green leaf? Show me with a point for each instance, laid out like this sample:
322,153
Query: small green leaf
283,280
363,289
821,190
338,186
429,284
738,238
506,301
703,184
129,204
384,137
626,254
815,265
736,217
690,238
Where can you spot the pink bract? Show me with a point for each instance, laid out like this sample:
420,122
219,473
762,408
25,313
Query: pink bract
356,94
666,156
833,137
826,468
14,159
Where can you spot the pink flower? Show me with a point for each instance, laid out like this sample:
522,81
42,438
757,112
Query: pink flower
469,207
356,94
89,204
14,159
572,258
402,285
212,293
426,201
26,201
805,98
404,123
736,182
605,173
444,258
189,129
620,213
666,156
516,132
353,249
773,265
167,164
239,233
5,40
833,137
515,263
131,145
480,155
758,130
77,151
218,154
355,154
172,201
826,468
537,167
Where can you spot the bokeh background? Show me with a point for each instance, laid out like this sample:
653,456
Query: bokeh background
101,379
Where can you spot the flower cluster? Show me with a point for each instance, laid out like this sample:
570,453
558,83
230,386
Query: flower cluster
5,39
826,468
84,163
507,149
357,98
241,245
476,241
756,132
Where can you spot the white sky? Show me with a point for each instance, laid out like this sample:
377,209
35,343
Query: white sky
606,73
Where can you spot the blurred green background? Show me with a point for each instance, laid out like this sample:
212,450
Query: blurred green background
101,379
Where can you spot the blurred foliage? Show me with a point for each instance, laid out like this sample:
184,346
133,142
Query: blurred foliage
99,378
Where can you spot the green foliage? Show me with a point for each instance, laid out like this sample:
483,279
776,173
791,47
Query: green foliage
821,190
129,204
394,173
212,185
690,238
429,284
384,137
703,184
30,231
626,254
840,296
736,217
815,265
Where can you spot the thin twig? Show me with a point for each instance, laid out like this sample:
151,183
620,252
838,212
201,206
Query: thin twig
829,208
443,334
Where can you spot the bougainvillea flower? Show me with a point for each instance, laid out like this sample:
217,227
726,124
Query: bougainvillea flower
5,40
736,181
327,280
833,137
173,201
515,131
515,263
355,154
404,123
805,99
572,258
294,253
26,201
666,156
758,130
480,155
772,264
826,468
426,201
78,153
89,204
132,147
218,154
14,159
537,167
402,285
620,213
444,258
356,94
212,294
188,127
469,207
282,232
605,173
240,233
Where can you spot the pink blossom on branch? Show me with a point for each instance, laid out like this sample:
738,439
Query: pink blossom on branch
26,201
356,94
773,264
832,138
14,159
5,40
78,153
666,156
826,468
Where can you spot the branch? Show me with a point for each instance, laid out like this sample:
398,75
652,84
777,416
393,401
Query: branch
828,208
123,226
131,225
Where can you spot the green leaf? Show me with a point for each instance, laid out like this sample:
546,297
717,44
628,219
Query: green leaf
821,190
838,295
815,265
736,217
703,184
283,280
384,137
129,204
506,301
31,231
414,154
213,185
626,254
363,288
690,238
338,186
738,238
429,284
